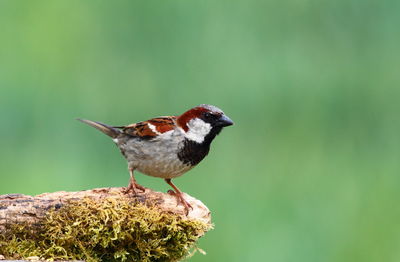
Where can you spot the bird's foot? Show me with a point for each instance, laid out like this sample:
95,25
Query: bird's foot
180,198
132,187
141,188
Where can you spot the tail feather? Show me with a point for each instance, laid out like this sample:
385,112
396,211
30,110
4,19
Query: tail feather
106,129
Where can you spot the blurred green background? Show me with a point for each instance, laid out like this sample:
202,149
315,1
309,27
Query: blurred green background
310,171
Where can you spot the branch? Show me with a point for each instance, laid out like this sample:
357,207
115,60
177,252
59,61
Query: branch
100,224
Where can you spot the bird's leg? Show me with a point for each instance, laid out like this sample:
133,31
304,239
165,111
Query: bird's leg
179,195
132,184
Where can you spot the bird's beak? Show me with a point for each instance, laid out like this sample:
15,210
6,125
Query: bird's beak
224,121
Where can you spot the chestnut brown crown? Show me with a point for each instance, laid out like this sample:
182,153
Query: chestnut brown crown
208,113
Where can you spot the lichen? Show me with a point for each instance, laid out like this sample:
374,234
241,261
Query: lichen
114,229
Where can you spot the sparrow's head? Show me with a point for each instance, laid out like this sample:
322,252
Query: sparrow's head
202,123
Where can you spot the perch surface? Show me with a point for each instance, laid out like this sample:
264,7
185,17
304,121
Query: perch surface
102,224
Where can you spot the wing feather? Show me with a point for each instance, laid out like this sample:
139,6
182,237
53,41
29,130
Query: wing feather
151,128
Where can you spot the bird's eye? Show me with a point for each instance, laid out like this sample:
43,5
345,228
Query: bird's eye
208,115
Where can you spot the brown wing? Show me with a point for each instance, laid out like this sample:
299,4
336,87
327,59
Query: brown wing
150,128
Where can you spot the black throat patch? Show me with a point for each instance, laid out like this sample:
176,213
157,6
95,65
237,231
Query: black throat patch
192,152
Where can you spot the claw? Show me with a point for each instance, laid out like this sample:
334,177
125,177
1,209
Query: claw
141,188
132,187
180,198
186,205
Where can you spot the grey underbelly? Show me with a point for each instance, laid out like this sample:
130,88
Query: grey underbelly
163,169
153,159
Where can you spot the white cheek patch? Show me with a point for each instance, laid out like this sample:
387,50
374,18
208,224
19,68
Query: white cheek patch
198,130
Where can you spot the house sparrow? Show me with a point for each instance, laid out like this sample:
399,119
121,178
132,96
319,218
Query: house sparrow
167,146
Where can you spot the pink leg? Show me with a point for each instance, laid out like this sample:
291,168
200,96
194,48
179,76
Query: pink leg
179,195
132,184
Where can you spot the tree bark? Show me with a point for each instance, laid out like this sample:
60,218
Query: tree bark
24,209
102,224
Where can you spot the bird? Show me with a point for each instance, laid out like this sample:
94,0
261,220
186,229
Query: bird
166,146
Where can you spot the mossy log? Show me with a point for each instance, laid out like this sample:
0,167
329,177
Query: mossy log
103,224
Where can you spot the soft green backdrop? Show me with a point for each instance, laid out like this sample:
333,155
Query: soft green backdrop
310,172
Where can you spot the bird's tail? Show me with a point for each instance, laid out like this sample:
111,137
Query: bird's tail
106,129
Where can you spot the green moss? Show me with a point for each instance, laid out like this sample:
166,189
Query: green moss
115,229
